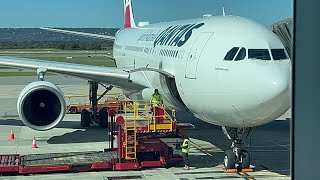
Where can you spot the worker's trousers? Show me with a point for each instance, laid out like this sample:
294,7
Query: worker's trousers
185,159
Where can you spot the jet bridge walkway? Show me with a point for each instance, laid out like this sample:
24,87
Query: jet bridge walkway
284,30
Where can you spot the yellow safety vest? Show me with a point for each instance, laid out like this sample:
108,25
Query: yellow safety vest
186,146
156,99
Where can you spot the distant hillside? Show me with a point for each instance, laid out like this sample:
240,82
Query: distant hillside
11,38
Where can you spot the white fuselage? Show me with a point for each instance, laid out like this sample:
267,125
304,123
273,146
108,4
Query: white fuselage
244,93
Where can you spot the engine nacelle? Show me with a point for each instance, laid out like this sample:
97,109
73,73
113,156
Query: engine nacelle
41,105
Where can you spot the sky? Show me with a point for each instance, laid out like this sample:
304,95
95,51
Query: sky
109,13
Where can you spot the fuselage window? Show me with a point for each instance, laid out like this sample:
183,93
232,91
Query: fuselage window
230,55
278,54
241,55
259,54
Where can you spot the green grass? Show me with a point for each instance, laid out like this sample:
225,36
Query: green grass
5,74
47,50
97,58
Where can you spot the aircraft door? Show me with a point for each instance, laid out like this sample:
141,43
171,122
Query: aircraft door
195,53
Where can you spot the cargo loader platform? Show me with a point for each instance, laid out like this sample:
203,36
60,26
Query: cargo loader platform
146,137
57,162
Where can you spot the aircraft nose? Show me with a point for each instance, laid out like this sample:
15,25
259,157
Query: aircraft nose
275,96
270,98
275,84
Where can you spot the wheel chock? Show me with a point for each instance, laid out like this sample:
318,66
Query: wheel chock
235,170
247,170
231,170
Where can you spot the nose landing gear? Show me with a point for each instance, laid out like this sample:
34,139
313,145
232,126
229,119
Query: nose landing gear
237,157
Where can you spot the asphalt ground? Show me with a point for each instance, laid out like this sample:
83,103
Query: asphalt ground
270,144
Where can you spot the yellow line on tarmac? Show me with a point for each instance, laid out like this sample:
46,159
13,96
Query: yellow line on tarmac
203,150
246,176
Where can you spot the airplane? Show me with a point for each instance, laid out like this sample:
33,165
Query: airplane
225,70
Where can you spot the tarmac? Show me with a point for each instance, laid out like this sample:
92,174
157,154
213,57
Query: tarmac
270,144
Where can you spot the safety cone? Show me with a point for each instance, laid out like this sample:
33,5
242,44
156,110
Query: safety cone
11,136
34,145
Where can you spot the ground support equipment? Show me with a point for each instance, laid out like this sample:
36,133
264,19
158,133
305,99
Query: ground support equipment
146,137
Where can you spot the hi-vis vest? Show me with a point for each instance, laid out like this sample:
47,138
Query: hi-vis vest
186,146
156,99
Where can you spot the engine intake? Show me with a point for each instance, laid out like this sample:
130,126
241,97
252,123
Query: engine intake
41,105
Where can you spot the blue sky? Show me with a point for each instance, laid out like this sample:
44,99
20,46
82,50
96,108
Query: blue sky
109,13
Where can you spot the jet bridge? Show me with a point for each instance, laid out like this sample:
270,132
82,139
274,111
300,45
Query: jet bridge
284,30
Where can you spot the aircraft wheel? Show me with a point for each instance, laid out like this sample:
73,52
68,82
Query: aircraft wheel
73,110
245,159
85,118
103,114
229,160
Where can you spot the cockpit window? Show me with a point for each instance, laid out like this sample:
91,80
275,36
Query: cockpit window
259,54
241,55
278,54
230,55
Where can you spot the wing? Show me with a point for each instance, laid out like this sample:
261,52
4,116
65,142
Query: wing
98,36
110,75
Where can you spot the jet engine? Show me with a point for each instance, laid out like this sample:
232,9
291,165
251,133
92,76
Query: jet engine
41,105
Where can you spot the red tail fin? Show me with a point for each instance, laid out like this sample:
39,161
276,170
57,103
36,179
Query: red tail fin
128,16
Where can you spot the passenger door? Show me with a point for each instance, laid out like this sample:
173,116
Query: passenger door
195,53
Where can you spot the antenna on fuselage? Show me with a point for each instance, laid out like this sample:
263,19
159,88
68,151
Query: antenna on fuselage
223,14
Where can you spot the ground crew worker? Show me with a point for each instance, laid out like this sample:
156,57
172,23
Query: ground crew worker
156,98
185,151
156,103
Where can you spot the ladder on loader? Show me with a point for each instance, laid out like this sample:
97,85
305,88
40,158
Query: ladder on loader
142,117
